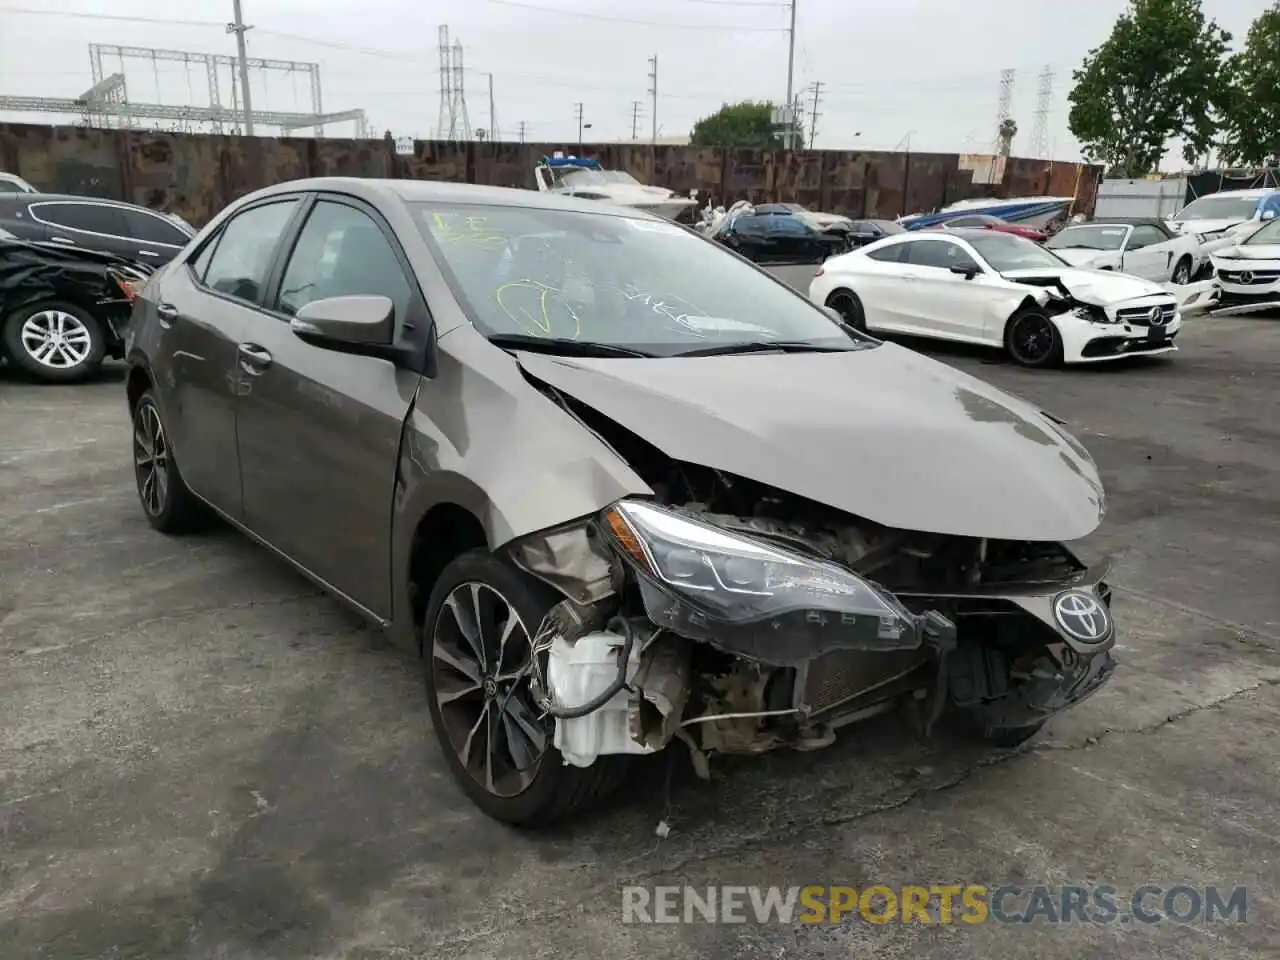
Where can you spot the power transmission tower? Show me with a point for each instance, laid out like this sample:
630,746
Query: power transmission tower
1003,107
816,91
444,125
1040,130
653,94
239,29
635,119
460,125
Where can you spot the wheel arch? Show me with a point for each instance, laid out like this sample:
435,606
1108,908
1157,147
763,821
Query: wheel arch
137,382
443,532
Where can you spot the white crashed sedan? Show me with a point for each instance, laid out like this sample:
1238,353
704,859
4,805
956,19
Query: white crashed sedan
1247,274
1001,290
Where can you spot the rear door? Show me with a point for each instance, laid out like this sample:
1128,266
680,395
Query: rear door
85,224
319,430
156,240
203,307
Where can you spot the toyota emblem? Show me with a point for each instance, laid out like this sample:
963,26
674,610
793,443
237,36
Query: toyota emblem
1246,277
1155,315
1082,616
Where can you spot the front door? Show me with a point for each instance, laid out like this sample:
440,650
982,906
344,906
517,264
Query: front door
319,430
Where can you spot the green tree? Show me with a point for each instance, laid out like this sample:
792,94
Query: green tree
1159,76
746,124
1252,116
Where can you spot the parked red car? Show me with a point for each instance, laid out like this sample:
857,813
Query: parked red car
988,222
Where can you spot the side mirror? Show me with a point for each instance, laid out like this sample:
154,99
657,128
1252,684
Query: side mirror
1268,214
966,270
339,322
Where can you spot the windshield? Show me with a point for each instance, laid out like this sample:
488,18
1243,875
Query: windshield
889,228
1008,251
605,278
11,186
1267,235
1088,238
582,176
1220,206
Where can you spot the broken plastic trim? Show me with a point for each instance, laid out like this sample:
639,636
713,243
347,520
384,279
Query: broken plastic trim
754,600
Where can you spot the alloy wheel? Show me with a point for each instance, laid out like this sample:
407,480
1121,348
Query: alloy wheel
56,339
1182,273
151,459
1032,339
481,650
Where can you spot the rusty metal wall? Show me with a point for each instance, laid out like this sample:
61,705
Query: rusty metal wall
195,175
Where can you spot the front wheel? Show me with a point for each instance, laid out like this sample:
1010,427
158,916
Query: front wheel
1182,272
55,341
478,640
1032,338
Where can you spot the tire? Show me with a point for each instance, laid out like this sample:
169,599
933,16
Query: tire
1045,350
532,792
1182,271
55,341
847,304
167,503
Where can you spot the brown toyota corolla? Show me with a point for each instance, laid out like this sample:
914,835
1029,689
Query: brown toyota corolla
616,485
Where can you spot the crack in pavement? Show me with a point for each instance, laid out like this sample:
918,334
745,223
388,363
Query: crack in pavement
761,838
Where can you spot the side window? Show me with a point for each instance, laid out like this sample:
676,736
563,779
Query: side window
89,217
892,253
787,226
240,264
751,226
1144,235
936,253
200,262
150,228
341,252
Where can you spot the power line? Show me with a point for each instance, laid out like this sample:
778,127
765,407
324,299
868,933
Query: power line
72,15
582,14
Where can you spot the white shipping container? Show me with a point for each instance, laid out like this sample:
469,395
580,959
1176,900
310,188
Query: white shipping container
1140,198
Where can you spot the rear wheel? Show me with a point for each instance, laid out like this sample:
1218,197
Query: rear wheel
477,643
1032,338
1182,272
847,304
55,341
169,506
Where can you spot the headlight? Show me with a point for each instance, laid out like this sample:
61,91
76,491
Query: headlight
1092,314
696,578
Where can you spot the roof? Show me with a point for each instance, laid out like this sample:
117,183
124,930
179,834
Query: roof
1253,193
62,197
384,190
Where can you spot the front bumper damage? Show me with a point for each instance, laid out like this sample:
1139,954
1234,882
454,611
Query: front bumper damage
662,662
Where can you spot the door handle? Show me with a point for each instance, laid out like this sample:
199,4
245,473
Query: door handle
909,276
70,243
253,359
148,253
167,313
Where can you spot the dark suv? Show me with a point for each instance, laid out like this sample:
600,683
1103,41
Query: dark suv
123,229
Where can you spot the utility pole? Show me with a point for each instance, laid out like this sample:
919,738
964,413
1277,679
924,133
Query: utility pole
239,29
813,112
791,68
635,118
653,94
522,131
493,117
578,108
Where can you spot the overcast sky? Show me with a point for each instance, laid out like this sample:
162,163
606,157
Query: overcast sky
889,68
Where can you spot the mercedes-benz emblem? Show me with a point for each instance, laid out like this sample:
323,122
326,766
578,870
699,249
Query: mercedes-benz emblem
1246,277
1082,616
1155,315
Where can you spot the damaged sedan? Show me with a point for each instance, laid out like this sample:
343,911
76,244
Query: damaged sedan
998,290
621,490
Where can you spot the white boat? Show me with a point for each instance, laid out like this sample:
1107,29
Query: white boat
1029,211
581,177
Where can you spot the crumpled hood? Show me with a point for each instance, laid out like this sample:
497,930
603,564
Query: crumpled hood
1100,287
1204,226
882,433
1086,258
1258,251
